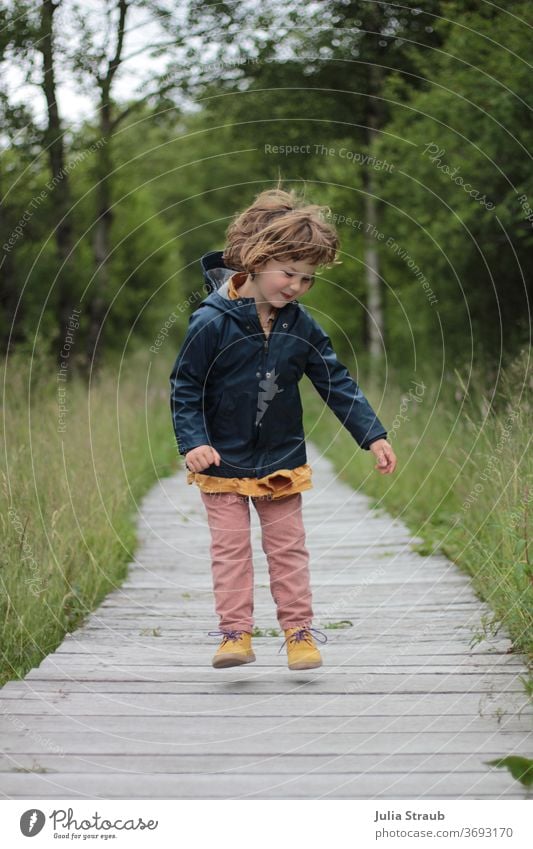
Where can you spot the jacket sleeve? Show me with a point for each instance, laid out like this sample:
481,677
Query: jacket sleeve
339,390
187,383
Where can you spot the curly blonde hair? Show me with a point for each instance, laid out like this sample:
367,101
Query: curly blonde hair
283,226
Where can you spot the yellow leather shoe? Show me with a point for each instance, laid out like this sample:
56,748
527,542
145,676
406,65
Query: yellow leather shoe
302,652
234,650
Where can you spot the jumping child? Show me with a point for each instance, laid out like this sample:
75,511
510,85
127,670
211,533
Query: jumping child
237,413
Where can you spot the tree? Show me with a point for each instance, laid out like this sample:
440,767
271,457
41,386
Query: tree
39,40
98,62
464,147
23,138
26,34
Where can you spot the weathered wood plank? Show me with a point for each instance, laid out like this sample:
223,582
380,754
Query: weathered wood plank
205,728
162,710
224,704
147,741
258,684
433,764
438,665
269,785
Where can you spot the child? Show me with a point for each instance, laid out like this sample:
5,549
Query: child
237,413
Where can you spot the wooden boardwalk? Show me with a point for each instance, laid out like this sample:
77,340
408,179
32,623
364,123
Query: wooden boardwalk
404,707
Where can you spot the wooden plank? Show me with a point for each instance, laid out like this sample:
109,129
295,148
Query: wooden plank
351,664
161,707
440,654
270,785
147,741
224,704
433,764
204,728
257,684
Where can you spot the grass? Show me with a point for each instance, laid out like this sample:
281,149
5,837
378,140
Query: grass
464,479
70,497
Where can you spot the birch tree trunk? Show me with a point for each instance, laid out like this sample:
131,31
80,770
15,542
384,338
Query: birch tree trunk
374,287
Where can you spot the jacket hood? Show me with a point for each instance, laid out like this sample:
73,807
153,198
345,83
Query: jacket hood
215,271
216,281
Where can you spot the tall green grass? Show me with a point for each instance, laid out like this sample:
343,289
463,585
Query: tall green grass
464,480
69,499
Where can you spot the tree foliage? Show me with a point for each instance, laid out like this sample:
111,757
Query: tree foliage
412,124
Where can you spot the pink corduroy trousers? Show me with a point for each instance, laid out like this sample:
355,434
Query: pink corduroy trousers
283,541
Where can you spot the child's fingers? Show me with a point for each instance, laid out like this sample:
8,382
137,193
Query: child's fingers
383,460
202,457
386,460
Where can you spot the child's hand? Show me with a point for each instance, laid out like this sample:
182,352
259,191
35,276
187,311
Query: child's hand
198,459
385,456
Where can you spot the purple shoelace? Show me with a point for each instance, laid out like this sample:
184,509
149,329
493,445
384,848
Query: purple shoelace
301,635
229,635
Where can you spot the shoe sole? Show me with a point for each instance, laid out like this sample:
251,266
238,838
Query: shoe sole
305,664
231,660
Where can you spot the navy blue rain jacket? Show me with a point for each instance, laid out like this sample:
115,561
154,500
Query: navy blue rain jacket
237,390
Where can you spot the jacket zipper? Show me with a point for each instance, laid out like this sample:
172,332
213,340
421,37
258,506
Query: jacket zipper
266,338
265,343
264,359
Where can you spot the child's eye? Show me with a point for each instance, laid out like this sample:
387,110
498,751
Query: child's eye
288,275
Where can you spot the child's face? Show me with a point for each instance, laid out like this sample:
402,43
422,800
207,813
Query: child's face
278,283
